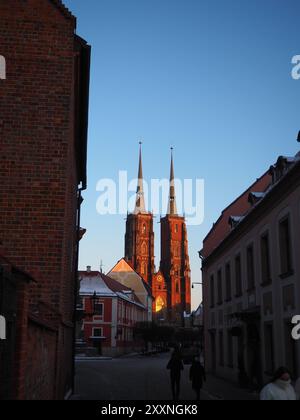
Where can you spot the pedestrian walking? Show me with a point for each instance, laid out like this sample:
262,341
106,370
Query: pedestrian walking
280,388
197,376
175,366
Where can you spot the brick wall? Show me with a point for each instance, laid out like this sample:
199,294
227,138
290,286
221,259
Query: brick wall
39,171
40,374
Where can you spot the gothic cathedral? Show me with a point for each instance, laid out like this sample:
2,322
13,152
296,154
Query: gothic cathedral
171,285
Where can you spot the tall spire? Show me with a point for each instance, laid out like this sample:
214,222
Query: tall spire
140,198
172,207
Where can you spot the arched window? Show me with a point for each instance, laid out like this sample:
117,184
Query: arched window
144,229
2,68
159,304
144,249
144,269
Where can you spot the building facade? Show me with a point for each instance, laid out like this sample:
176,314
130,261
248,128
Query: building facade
43,142
110,312
171,285
251,280
125,274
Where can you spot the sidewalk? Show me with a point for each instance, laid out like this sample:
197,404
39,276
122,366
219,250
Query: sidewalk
220,389
83,358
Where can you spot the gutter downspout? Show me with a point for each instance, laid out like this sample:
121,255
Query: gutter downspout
79,202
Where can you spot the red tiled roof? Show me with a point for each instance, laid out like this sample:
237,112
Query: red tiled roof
114,285
239,207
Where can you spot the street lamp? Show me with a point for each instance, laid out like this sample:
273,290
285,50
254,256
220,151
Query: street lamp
193,285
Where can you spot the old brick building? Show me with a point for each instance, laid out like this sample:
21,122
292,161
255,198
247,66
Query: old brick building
171,285
43,141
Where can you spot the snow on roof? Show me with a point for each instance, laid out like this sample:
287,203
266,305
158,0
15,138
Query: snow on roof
291,159
258,195
89,284
104,286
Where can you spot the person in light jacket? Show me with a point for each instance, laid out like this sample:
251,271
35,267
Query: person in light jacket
280,389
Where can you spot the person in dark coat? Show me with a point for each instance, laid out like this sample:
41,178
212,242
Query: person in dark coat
197,376
175,366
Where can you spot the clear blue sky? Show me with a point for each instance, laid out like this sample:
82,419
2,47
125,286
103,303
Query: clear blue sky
211,77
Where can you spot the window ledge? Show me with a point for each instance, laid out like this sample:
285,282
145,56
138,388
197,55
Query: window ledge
286,275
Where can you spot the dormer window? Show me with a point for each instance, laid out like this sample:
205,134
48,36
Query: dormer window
235,220
255,197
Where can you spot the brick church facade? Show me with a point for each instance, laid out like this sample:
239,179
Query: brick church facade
171,285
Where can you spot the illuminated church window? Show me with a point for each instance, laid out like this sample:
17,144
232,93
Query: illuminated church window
160,304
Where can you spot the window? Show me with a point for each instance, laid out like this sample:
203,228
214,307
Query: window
265,260
99,308
250,268
97,332
144,228
269,349
220,287
177,287
229,349
176,228
285,247
144,249
238,276
228,282
144,269
212,291
221,348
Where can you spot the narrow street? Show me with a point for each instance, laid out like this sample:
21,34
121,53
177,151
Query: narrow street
140,378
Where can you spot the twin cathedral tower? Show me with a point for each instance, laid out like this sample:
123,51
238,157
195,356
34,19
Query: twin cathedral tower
171,285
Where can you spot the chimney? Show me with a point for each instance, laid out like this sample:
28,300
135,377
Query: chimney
88,269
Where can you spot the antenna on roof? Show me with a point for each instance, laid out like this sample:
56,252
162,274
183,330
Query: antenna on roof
101,267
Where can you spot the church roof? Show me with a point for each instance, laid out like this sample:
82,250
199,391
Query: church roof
172,207
140,196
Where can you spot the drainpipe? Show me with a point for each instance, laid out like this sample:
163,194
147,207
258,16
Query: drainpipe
76,290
